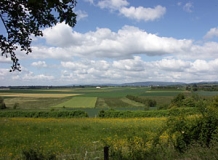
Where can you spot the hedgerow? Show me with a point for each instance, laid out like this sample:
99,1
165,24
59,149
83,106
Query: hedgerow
44,114
154,113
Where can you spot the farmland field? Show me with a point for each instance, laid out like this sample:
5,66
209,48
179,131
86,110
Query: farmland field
88,97
79,97
79,102
84,138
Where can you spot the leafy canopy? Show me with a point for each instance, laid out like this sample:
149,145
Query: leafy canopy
23,18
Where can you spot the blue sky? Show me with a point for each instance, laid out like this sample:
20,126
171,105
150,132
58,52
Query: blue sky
119,41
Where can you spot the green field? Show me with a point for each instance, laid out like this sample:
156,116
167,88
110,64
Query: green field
78,102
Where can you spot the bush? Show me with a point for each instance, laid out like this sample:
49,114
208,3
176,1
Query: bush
36,154
185,101
178,100
2,104
184,131
16,105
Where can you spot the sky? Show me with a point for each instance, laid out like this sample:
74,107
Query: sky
121,41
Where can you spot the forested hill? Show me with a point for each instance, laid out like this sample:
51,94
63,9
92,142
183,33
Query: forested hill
153,83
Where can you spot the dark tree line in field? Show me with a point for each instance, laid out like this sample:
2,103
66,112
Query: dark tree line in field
44,114
202,87
146,101
174,87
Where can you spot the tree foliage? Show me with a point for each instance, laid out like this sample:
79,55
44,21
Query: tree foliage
146,101
2,104
24,18
185,131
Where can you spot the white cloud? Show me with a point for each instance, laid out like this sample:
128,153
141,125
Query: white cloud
81,15
74,65
200,66
205,51
135,64
89,71
38,77
59,35
112,4
141,13
39,64
213,32
179,3
136,13
137,69
172,65
3,72
125,43
3,59
90,1
188,7
46,52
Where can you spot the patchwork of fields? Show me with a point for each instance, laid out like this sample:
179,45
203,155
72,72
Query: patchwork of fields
84,138
90,97
108,97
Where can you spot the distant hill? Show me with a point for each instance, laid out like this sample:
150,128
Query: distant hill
147,83
153,83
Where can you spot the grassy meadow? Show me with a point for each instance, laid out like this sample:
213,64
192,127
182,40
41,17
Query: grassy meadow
66,137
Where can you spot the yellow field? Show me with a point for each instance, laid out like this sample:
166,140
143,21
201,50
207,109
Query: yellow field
36,95
65,136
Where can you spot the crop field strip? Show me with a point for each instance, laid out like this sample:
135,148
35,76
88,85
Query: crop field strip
78,102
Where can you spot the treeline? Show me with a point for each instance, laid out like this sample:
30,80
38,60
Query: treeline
146,101
166,87
208,88
44,114
40,87
202,87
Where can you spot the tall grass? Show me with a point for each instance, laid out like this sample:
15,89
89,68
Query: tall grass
68,136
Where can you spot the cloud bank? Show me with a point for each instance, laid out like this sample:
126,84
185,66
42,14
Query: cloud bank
107,55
